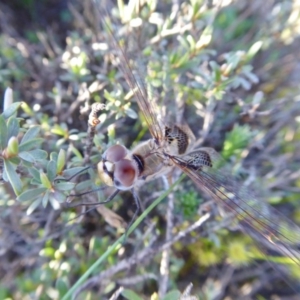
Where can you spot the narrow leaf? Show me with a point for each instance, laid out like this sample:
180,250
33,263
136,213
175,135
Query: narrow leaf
13,147
61,285
11,110
3,133
71,172
4,175
25,155
59,196
8,98
31,133
13,177
45,180
172,295
61,160
51,170
12,127
33,206
84,185
54,202
28,145
15,160
38,154
31,194
131,295
45,198
53,156
35,173
65,186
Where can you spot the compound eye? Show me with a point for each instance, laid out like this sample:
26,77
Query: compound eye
125,174
115,153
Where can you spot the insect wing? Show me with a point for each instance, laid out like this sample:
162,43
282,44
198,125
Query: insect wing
257,219
148,108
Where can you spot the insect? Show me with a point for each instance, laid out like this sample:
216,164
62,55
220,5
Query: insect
173,146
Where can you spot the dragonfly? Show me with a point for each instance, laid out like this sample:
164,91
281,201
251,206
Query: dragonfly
173,146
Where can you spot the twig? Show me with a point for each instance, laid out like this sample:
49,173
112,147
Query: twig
165,260
143,256
186,295
117,293
136,279
92,123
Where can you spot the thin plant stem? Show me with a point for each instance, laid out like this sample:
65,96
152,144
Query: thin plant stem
118,242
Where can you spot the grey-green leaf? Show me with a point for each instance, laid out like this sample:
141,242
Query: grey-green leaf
45,198
71,172
31,133
35,173
13,177
131,113
59,196
84,185
38,154
25,155
54,202
31,194
53,156
34,205
28,145
3,133
11,110
65,186
172,295
129,294
12,127
51,170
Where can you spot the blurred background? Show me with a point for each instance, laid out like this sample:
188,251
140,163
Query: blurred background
230,69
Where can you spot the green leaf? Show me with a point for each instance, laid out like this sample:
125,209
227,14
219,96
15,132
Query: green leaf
61,160
12,127
45,180
61,285
34,205
65,186
35,173
45,198
172,295
131,113
54,202
4,176
28,145
38,154
57,129
15,160
254,49
72,171
51,170
30,134
47,252
131,295
11,110
26,156
237,139
8,95
3,133
83,185
13,177
31,194
13,147
59,196
53,156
